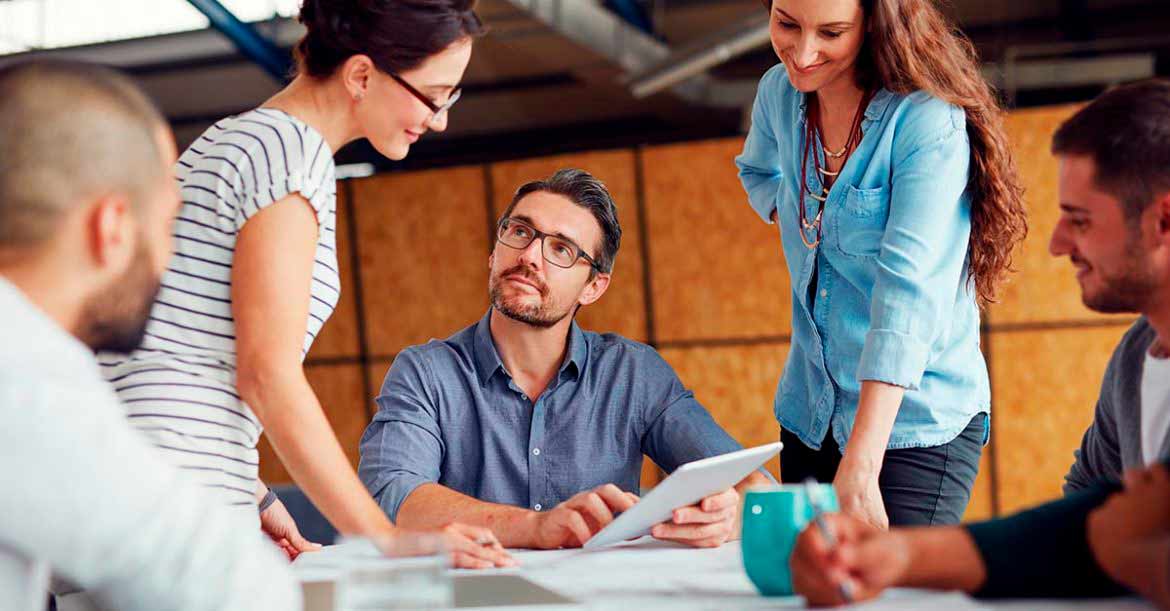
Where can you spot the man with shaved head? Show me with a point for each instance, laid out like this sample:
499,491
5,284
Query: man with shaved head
87,200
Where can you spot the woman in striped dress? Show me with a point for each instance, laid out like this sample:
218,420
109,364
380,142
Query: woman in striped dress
254,276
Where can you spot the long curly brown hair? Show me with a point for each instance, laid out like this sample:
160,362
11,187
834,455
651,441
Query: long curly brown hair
910,46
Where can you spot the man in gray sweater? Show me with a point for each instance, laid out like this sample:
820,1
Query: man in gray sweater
1107,536
1113,188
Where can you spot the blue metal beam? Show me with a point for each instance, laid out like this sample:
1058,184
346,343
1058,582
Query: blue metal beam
245,37
633,13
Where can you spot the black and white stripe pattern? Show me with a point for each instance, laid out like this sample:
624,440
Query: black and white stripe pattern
179,387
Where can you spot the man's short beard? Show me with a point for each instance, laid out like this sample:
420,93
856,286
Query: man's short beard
543,315
1128,290
114,320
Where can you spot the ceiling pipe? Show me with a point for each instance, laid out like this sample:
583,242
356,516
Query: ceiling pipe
591,25
699,57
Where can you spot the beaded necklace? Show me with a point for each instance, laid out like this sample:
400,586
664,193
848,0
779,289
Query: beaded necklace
814,133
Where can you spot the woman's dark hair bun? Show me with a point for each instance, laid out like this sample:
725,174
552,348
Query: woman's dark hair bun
397,35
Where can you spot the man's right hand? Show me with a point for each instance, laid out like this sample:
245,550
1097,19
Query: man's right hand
866,561
575,521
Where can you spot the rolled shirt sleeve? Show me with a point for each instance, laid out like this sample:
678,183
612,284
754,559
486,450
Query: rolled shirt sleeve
678,429
923,250
402,448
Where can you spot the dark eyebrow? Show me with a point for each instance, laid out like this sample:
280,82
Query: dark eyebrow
1073,209
842,24
529,221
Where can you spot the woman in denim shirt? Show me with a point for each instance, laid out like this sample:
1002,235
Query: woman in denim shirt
879,150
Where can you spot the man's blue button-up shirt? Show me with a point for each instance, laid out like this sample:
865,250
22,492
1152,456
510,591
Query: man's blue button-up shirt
449,413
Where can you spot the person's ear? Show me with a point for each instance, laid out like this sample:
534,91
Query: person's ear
595,289
1162,212
111,231
356,74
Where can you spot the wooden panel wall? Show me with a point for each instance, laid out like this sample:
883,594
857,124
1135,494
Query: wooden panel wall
717,269
423,249
1047,381
700,277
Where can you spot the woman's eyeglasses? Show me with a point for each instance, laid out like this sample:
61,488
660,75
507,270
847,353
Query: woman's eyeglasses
436,109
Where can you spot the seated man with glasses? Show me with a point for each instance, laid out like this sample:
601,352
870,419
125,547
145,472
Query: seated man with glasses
525,423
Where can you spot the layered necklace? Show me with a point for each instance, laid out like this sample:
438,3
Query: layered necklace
813,133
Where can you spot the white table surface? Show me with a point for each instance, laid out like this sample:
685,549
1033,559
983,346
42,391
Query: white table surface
647,575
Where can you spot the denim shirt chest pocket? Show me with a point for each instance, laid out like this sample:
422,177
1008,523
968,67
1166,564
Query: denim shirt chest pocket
860,221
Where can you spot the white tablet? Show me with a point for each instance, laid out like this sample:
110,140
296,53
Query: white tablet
688,484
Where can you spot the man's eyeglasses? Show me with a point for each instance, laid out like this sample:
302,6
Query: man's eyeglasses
559,251
435,109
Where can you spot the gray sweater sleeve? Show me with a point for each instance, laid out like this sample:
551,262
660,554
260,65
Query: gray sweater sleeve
1099,457
1115,433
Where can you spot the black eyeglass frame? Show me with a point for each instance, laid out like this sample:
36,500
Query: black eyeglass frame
435,109
540,235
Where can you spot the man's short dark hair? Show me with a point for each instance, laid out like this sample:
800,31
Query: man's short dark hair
1126,132
585,190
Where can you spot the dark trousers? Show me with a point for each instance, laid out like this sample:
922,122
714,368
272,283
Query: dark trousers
920,486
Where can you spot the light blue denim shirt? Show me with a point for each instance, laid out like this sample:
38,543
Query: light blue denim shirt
892,300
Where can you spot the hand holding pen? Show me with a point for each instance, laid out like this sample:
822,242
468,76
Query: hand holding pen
840,559
812,492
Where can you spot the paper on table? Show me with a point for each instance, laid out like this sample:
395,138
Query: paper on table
1097,604
333,560
653,570
645,569
921,600
646,573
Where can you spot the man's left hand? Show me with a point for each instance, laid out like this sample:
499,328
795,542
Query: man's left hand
708,523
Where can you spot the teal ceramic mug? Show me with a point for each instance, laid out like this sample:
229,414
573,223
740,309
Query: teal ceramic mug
772,519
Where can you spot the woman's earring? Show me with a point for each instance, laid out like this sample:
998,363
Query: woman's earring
357,97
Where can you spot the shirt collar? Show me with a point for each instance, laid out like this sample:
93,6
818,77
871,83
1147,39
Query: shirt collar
875,110
877,106
487,358
578,351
